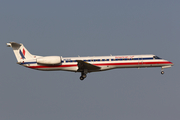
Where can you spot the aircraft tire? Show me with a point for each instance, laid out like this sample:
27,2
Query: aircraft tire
81,78
84,75
162,72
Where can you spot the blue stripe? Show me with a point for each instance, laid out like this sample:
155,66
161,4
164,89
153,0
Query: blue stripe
28,63
21,54
95,60
147,58
120,59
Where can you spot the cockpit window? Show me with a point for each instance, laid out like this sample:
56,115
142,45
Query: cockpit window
156,57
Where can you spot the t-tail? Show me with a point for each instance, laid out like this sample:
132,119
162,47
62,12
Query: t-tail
20,51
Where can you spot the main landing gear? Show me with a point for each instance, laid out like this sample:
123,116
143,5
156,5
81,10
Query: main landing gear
83,75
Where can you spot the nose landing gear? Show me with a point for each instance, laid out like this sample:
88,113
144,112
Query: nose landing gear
162,72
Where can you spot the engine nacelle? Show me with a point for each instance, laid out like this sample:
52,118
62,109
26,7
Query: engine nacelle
49,60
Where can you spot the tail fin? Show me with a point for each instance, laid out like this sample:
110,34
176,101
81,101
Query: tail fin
20,51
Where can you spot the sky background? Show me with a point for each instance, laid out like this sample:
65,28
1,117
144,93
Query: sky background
89,28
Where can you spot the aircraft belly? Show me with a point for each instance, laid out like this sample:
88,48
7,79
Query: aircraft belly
61,68
54,68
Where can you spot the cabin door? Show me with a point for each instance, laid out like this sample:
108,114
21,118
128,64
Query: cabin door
140,61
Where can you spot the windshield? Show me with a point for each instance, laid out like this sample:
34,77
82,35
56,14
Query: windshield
156,57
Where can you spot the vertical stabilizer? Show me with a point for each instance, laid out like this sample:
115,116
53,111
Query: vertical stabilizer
20,51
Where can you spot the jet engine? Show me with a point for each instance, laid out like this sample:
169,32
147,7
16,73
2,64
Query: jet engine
49,60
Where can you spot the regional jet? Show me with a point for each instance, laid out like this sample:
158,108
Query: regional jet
85,65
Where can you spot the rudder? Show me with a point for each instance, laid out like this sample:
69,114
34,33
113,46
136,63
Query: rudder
20,51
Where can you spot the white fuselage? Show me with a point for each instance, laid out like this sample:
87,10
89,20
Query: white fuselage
104,62
85,64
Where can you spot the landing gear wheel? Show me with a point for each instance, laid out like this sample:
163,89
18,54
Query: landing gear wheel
162,72
84,75
81,78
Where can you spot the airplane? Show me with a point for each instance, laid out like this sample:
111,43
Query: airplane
85,64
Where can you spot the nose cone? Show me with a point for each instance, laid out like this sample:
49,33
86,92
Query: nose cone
170,63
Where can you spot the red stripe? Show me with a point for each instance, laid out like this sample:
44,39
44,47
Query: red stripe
24,52
52,66
104,64
134,63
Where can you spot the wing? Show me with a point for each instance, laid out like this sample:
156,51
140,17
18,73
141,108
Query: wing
84,65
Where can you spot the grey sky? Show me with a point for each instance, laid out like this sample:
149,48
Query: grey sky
88,28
